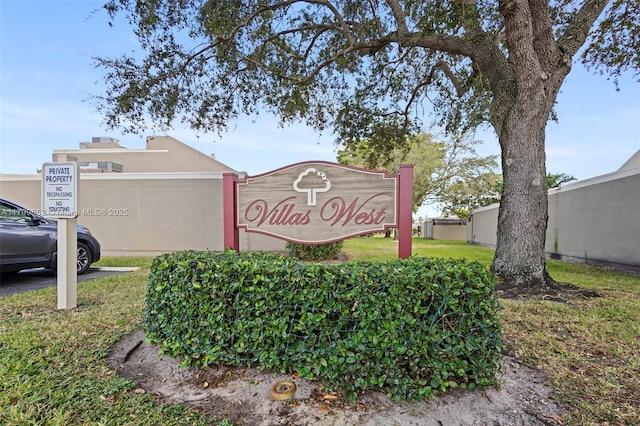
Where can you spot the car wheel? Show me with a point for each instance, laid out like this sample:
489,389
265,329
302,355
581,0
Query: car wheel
84,258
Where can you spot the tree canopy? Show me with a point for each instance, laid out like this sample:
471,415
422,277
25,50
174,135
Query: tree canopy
374,70
369,69
447,173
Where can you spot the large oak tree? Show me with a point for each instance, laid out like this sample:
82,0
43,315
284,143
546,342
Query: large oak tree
370,68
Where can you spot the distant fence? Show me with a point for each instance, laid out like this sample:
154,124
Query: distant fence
444,229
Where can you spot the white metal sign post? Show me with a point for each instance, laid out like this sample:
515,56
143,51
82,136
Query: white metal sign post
60,200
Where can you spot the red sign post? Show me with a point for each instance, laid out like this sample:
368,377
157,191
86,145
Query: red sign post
405,208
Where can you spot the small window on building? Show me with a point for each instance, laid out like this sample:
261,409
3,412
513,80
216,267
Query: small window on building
100,167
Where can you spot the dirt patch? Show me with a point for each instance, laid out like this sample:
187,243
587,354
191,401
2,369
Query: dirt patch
243,395
552,291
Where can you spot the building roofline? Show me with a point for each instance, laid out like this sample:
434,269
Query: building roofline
621,174
130,175
107,151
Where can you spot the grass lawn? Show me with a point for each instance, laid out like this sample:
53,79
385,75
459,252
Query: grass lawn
53,369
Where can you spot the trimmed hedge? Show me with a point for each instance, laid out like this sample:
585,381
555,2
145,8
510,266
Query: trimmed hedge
326,251
412,328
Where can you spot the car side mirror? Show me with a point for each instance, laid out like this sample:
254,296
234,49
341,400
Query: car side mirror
36,220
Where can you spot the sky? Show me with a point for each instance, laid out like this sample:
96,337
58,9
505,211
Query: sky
47,77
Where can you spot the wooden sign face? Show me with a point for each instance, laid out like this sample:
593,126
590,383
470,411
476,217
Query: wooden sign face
317,202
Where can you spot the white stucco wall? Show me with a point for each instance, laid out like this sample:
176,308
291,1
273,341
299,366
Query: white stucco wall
145,213
594,220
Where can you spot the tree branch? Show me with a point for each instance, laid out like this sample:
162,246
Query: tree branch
310,76
336,13
444,43
450,75
399,16
579,26
543,42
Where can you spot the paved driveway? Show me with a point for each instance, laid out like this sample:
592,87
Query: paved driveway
35,279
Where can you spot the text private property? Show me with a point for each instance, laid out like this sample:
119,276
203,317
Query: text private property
59,175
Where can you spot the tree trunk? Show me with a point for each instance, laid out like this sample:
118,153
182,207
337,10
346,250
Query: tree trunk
521,110
522,220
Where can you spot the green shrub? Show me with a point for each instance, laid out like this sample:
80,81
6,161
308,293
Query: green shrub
412,328
326,251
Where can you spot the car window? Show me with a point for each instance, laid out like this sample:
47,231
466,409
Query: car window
10,214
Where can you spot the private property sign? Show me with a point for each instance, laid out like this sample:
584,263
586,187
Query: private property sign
60,200
60,190
317,202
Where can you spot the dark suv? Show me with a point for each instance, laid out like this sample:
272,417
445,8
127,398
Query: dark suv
28,240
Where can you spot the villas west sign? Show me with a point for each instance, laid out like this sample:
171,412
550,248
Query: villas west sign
319,202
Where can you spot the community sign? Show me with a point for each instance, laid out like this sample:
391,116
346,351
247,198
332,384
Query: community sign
317,202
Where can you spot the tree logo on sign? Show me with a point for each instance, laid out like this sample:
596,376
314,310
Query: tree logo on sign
312,181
